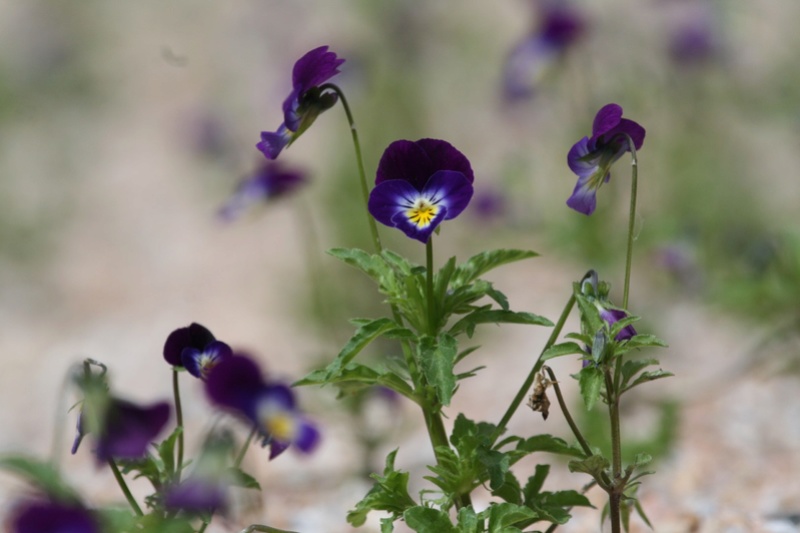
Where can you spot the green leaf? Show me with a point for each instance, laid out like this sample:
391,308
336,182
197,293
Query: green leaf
631,367
428,520
482,263
509,490
372,265
467,520
646,340
590,379
653,375
549,443
535,483
503,516
437,358
166,451
442,279
239,478
390,493
356,376
496,316
568,498
557,350
40,474
594,465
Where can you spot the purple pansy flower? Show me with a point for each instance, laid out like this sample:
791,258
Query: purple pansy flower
611,317
51,516
591,157
305,102
419,184
237,384
123,430
197,494
195,348
559,27
272,180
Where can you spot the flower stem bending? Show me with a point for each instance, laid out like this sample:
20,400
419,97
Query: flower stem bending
179,421
124,486
631,220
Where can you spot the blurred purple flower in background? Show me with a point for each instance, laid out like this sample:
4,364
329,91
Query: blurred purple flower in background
238,385
51,516
559,26
123,430
693,38
591,157
197,494
419,184
305,102
196,349
271,181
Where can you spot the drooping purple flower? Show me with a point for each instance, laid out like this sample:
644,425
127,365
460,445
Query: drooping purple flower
51,516
195,348
419,184
122,429
237,385
559,26
591,157
271,181
305,102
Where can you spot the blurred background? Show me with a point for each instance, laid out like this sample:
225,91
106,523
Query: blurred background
125,126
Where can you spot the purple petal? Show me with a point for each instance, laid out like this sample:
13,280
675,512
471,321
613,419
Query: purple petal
80,432
272,143
583,197
308,436
315,67
633,129
43,516
525,68
450,189
276,447
235,383
561,24
612,316
269,182
390,203
578,161
607,118
196,495
192,336
199,363
129,429
416,162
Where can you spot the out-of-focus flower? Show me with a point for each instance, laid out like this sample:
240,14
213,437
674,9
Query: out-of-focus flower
611,317
489,204
419,184
47,515
305,102
693,36
122,429
196,349
271,181
237,384
591,157
559,26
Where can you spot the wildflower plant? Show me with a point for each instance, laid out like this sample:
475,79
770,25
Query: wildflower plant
433,311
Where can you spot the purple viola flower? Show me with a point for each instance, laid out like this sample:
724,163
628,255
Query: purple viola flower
305,102
559,27
51,516
271,181
419,184
195,348
123,430
591,157
197,494
611,317
237,385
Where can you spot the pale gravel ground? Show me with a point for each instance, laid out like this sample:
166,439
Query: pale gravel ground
141,255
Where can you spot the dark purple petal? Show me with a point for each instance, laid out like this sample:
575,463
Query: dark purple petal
44,516
192,336
315,67
416,162
308,436
128,429
196,495
272,143
199,363
235,383
80,432
450,189
276,447
612,316
561,25
606,119
269,182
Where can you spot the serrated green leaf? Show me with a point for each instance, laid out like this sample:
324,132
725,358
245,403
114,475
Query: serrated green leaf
590,380
389,493
437,358
496,316
166,451
387,525
442,279
535,483
646,340
510,489
482,263
503,516
498,297
557,350
428,520
568,498
371,265
631,367
652,375
467,520
594,465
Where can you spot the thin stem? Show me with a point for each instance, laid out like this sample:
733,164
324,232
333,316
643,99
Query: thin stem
526,385
179,421
631,219
432,321
563,405
265,529
124,486
245,446
373,228
615,491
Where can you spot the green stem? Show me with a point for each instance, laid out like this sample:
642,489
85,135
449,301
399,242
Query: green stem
617,484
124,486
373,228
245,446
563,405
526,385
631,220
432,318
179,421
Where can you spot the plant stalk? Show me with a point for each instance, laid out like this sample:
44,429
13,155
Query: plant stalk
179,422
124,486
